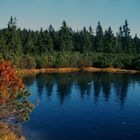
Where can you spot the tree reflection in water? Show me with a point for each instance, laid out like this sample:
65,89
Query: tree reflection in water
90,84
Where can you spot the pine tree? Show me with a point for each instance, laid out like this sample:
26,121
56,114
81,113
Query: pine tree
119,40
99,38
127,44
86,41
137,43
13,40
109,41
92,38
77,40
54,36
45,43
29,47
65,38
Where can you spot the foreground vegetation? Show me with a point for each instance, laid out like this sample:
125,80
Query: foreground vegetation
67,48
14,104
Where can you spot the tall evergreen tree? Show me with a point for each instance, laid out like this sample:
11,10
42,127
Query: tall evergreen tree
29,47
45,43
99,39
13,40
65,38
53,34
137,43
109,41
86,41
127,44
119,40
77,40
92,38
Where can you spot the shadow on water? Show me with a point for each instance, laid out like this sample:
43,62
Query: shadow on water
89,84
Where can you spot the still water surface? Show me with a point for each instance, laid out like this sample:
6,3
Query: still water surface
84,106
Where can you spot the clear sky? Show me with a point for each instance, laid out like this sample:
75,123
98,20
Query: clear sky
35,14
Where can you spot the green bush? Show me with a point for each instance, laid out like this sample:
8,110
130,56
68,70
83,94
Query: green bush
46,61
136,63
27,62
103,60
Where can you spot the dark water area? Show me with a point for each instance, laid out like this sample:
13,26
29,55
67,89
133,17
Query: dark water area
84,106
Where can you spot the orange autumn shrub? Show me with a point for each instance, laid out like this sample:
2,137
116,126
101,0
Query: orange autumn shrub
15,107
10,83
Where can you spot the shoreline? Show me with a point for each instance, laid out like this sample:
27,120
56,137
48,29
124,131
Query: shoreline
47,70
110,70
68,70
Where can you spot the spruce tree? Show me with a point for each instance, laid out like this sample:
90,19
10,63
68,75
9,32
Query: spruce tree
12,37
65,38
99,38
109,41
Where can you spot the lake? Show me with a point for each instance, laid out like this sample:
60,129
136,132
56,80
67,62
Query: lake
84,106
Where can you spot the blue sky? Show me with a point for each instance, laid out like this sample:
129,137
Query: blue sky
35,14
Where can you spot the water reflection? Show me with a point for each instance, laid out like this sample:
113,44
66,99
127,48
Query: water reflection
89,84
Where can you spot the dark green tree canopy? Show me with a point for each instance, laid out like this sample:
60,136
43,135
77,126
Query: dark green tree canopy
66,47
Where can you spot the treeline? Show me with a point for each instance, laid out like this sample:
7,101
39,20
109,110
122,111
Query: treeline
68,48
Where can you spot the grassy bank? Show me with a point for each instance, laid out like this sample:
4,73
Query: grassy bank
67,70
47,70
110,70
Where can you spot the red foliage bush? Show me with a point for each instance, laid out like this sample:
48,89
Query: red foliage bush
10,83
